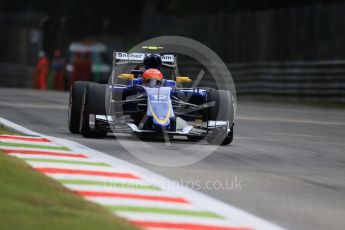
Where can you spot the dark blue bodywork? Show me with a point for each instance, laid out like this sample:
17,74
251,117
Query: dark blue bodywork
159,106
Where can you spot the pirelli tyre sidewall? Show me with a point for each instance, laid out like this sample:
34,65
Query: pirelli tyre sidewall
93,103
75,104
222,110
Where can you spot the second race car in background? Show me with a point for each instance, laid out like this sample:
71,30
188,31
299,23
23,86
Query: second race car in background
100,67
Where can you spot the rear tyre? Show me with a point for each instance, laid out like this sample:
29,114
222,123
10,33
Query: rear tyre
223,110
75,104
93,103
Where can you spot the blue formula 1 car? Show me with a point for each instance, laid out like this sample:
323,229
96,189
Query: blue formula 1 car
144,97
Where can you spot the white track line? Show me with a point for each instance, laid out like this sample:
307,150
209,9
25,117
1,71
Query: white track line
75,166
17,136
131,202
39,149
177,219
48,157
29,142
61,176
113,189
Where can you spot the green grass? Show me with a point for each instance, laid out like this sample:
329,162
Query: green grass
31,200
6,131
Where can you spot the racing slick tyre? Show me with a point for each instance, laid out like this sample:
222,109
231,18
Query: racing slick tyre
223,110
93,103
75,103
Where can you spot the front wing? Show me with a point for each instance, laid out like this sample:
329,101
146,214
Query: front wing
123,125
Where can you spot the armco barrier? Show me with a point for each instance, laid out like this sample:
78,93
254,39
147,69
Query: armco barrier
319,80
15,75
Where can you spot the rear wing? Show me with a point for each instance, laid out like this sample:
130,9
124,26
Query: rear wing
168,60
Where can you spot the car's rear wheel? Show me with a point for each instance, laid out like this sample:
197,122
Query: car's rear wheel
93,104
75,104
223,110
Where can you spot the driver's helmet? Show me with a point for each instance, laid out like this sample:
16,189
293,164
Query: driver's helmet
152,61
152,78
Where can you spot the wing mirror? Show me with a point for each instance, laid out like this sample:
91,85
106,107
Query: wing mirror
180,79
126,76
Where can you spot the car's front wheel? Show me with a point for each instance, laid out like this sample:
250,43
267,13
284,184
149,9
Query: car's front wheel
222,110
75,104
93,103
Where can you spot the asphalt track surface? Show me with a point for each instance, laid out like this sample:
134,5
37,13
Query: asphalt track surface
288,160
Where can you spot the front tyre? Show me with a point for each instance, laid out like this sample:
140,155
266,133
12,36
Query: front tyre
93,104
223,110
75,104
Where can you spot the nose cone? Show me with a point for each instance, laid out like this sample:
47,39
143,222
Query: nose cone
159,105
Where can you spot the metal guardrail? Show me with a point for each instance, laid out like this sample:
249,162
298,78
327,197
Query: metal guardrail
321,80
318,80
310,80
15,75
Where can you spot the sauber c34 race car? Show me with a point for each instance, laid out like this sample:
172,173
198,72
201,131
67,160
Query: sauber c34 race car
144,97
